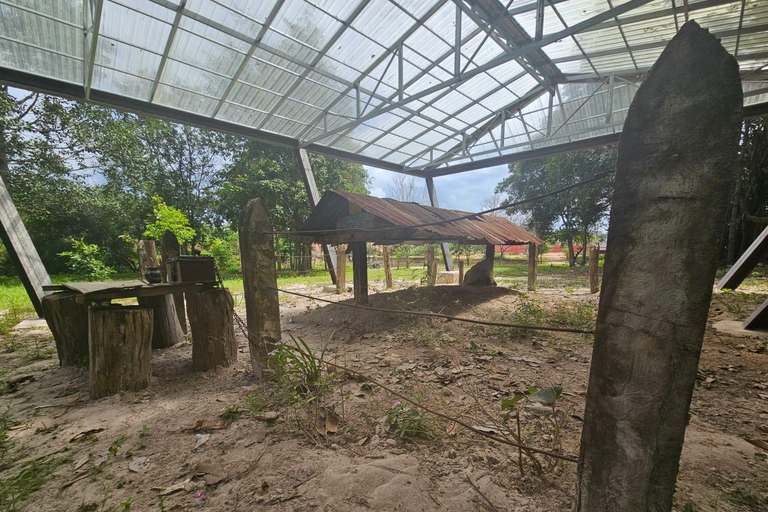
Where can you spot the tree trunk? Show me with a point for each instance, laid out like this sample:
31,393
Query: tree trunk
387,267
675,172
259,284
119,344
584,246
571,257
68,322
211,315
167,331
461,272
170,250
360,271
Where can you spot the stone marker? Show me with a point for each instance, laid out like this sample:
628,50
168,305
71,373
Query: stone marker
675,170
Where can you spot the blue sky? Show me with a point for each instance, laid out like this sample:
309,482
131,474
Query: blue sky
464,191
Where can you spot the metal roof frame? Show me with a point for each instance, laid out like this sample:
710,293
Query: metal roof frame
450,86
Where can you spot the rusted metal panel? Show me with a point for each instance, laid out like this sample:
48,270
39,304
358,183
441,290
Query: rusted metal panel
329,223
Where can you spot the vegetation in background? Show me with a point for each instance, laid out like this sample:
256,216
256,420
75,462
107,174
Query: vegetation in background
85,259
168,218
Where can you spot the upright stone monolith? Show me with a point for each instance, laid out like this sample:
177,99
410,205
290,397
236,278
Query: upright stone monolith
257,254
675,170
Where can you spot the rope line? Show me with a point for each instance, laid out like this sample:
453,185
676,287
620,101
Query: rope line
310,232
421,406
440,315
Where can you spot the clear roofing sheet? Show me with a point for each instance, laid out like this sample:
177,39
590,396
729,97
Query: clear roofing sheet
416,85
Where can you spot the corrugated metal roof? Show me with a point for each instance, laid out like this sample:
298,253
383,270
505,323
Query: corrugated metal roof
340,217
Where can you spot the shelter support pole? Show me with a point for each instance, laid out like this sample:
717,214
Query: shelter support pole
594,269
360,271
387,266
755,253
257,253
341,269
674,173
308,177
461,272
434,202
532,268
20,248
490,252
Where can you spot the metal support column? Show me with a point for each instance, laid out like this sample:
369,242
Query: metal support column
329,253
433,201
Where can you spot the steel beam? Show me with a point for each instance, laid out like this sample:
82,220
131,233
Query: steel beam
167,50
435,203
308,177
94,42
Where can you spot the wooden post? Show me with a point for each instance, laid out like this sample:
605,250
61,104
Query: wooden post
68,321
341,269
387,266
594,269
490,253
360,271
461,272
167,331
532,269
170,250
119,342
212,323
257,253
676,167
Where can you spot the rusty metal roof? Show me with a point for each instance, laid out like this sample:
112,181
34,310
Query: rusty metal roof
343,217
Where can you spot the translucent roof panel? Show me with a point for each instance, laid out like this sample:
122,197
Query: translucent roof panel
426,87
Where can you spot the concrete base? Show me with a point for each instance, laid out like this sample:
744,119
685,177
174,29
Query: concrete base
31,323
447,277
331,288
734,328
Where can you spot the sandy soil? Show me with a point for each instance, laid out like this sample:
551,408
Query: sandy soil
460,369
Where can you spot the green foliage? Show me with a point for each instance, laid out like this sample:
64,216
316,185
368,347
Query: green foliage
231,414
115,446
406,422
168,218
258,401
85,259
17,488
144,432
226,252
297,364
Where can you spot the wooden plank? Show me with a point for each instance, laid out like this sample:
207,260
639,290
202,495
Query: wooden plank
308,177
758,319
22,251
99,286
445,247
740,270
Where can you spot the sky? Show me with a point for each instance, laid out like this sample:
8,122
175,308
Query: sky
465,191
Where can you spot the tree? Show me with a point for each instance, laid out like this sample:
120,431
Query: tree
171,219
405,188
568,214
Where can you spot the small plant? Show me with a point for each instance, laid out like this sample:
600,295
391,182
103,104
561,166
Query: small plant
115,446
16,489
161,504
406,422
86,259
257,402
144,432
231,414
297,366
126,505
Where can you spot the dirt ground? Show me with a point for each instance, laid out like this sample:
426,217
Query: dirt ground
97,455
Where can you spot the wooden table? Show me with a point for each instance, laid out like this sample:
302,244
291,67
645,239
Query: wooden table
108,290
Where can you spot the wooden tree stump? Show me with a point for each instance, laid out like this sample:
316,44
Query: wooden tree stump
387,267
211,318
68,322
257,251
170,250
594,269
167,331
119,343
532,269
674,175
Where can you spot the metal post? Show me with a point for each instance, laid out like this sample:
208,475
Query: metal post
314,197
433,201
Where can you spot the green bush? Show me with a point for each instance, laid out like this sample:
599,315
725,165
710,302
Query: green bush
226,252
170,218
85,259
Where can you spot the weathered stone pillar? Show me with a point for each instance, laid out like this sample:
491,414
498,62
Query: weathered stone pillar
675,170
167,330
257,253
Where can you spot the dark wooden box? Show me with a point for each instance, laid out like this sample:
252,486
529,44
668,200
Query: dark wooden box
191,269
